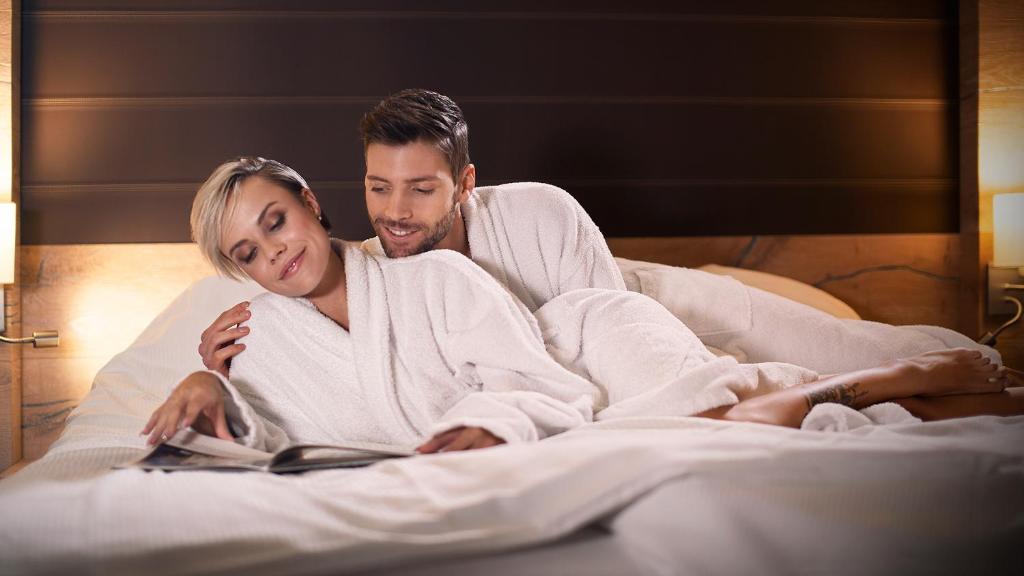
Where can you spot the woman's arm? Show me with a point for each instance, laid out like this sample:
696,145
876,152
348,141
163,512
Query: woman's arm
198,401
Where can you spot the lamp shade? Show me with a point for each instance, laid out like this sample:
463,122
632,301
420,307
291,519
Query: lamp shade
1008,229
8,217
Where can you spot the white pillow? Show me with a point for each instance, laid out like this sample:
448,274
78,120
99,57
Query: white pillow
787,288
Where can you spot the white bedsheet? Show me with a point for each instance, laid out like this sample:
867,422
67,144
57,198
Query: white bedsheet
691,495
935,498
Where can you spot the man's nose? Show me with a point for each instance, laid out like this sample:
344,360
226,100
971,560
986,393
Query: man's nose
398,206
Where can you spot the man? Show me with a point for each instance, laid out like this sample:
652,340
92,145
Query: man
538,241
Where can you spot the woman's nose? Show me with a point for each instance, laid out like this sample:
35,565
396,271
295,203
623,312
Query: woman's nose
275,251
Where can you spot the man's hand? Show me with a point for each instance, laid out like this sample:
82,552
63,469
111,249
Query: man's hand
198,402
218,341
461,438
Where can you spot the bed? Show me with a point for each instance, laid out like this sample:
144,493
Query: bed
635,496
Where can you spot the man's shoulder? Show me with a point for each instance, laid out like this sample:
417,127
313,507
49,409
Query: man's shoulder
529,201
518,191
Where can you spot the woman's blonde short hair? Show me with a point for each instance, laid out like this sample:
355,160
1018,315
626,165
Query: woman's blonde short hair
210,206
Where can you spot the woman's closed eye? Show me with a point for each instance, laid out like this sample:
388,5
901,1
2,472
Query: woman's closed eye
277,223
247,259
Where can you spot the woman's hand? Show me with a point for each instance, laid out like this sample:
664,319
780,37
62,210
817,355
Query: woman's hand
461,438
217,343
198,402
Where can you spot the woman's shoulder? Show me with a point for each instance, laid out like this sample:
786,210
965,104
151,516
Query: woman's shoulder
268,306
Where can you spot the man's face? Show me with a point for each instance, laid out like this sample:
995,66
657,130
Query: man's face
411,198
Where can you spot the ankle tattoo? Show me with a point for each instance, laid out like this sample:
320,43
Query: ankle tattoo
845,394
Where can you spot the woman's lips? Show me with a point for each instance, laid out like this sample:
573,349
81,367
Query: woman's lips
293,266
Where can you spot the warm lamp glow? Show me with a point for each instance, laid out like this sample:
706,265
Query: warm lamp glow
1008,229
8,217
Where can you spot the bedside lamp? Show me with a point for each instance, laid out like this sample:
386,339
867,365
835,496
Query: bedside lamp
1006,272
8,220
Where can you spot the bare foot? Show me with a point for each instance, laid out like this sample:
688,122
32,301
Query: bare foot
953,371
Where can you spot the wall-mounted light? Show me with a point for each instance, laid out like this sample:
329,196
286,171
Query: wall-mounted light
8,236
1006,272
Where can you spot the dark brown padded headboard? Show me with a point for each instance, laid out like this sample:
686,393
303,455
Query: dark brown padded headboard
665,118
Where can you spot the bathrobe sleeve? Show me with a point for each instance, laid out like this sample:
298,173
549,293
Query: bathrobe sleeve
492,342
249,427
586,261
537,240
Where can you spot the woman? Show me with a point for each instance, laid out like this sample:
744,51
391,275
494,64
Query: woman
432,347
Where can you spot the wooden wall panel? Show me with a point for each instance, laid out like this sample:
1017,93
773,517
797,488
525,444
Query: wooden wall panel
747,184
10,356
793,106
526,53
777,8
897,279
100,297
1000,136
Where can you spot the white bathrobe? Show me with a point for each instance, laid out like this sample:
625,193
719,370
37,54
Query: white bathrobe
435,343
539,242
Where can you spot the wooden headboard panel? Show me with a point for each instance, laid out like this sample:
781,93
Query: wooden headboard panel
684,118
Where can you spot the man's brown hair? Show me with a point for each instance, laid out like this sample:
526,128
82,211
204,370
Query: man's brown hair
419,115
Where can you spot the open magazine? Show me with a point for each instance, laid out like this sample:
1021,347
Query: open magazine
190,450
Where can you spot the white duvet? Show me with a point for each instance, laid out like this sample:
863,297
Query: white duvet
906,498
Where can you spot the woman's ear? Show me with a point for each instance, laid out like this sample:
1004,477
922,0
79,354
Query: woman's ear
310,201
468,182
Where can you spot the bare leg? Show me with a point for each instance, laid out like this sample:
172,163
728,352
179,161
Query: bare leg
947,372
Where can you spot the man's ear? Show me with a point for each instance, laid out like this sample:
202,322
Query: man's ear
468,182
310,201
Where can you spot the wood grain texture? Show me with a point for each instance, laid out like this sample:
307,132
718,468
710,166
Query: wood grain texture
10,356
897,279
970,297
99,297
1000,135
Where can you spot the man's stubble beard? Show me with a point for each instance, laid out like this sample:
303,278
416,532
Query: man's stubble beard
434,236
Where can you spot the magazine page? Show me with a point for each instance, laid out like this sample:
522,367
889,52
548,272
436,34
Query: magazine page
312,456
167,457
191,440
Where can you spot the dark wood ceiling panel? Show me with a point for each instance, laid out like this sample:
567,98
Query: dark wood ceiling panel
154,213
204,54
943,9
663,118
159,213
622,141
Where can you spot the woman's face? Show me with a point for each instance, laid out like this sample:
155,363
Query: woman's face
276,238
